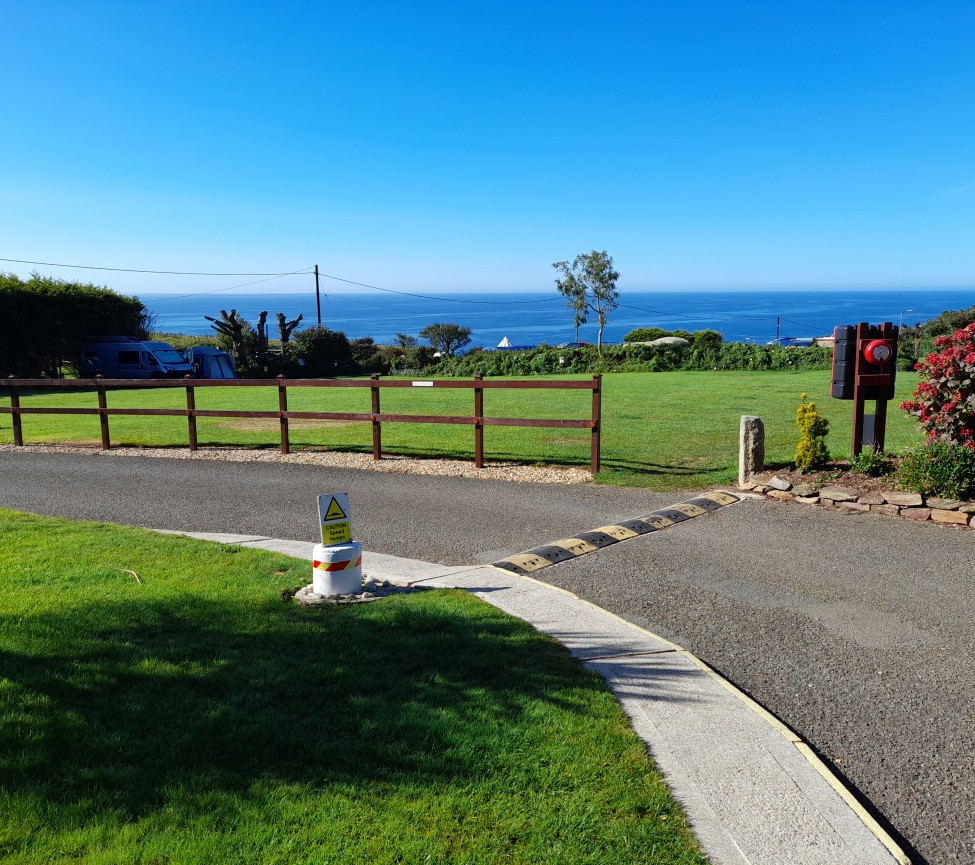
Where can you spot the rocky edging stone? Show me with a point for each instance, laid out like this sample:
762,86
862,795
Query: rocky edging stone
911,506
372,590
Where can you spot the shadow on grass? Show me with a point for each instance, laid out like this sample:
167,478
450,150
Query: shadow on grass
115,705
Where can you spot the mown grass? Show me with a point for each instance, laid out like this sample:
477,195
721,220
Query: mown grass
193,715
662,430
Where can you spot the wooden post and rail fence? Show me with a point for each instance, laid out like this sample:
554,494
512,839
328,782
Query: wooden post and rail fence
478,420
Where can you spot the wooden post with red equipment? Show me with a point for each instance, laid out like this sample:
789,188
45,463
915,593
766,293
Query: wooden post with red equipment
864,368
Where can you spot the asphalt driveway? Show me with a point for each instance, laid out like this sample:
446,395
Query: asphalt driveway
855,629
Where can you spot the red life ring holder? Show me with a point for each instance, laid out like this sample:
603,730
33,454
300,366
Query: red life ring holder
878,352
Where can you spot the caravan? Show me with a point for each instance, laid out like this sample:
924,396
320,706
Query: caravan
210,362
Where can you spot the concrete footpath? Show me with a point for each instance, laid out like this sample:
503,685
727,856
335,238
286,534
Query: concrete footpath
754,793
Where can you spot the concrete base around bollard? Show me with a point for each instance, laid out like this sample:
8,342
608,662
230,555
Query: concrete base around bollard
337,569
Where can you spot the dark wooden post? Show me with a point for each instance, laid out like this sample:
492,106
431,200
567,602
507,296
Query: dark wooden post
889,333
478,423
282,415
859,399
15,413
191,415
377,443
875,380
597,403
103,414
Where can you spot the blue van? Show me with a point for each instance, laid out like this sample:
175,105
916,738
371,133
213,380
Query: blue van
122,357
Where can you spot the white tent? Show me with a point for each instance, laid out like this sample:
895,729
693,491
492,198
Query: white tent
505,343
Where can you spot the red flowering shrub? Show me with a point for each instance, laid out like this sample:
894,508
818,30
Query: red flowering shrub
945,398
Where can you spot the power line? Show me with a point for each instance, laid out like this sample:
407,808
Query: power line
274,276
433,297
169,297
135,270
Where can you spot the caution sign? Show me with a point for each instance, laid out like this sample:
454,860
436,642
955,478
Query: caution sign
333,516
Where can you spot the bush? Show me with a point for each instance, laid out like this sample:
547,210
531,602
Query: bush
645,334
707,337
44,322
944,401
324,351
631,357
811,452
939,469
367,356
872,464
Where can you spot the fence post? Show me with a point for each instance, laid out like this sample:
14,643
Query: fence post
15,414
282,409
596,421
103,414
191,415
377,444
478,424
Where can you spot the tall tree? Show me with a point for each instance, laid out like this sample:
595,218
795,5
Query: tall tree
574,292
589,285
446,338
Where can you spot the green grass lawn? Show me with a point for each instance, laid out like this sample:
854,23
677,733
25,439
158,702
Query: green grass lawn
194,715
661,430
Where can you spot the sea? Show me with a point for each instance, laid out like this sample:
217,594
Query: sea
531,318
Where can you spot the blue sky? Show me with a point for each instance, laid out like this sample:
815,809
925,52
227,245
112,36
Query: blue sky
465,147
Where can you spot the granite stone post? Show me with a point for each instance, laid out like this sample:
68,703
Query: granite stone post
751,448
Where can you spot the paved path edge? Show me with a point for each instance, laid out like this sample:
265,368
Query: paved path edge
736,831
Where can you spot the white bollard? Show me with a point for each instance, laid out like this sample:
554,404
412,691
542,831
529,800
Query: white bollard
337,569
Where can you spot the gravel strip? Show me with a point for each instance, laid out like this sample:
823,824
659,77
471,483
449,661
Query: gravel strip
495,471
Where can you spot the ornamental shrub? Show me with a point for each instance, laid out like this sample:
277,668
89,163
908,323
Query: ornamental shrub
872,464
811,452
944,401
938,469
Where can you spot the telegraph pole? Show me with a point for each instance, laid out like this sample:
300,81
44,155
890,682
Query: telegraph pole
318,298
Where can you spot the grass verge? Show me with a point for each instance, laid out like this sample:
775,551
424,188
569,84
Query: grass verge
192,715
676,430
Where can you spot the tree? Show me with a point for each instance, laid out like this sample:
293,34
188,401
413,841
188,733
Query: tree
237,331
446,338
589,285
285,328
405,341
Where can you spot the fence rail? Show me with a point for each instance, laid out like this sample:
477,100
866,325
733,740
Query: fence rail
478,420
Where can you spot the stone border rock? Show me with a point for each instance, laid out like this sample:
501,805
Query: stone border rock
911,506
372,590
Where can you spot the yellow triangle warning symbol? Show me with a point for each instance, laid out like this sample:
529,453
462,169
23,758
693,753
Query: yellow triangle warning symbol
334,511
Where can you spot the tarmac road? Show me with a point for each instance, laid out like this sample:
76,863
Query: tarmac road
857,630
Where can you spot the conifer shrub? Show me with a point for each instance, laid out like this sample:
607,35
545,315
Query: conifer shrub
811,451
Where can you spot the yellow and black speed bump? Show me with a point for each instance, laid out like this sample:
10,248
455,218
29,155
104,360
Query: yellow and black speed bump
586,542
